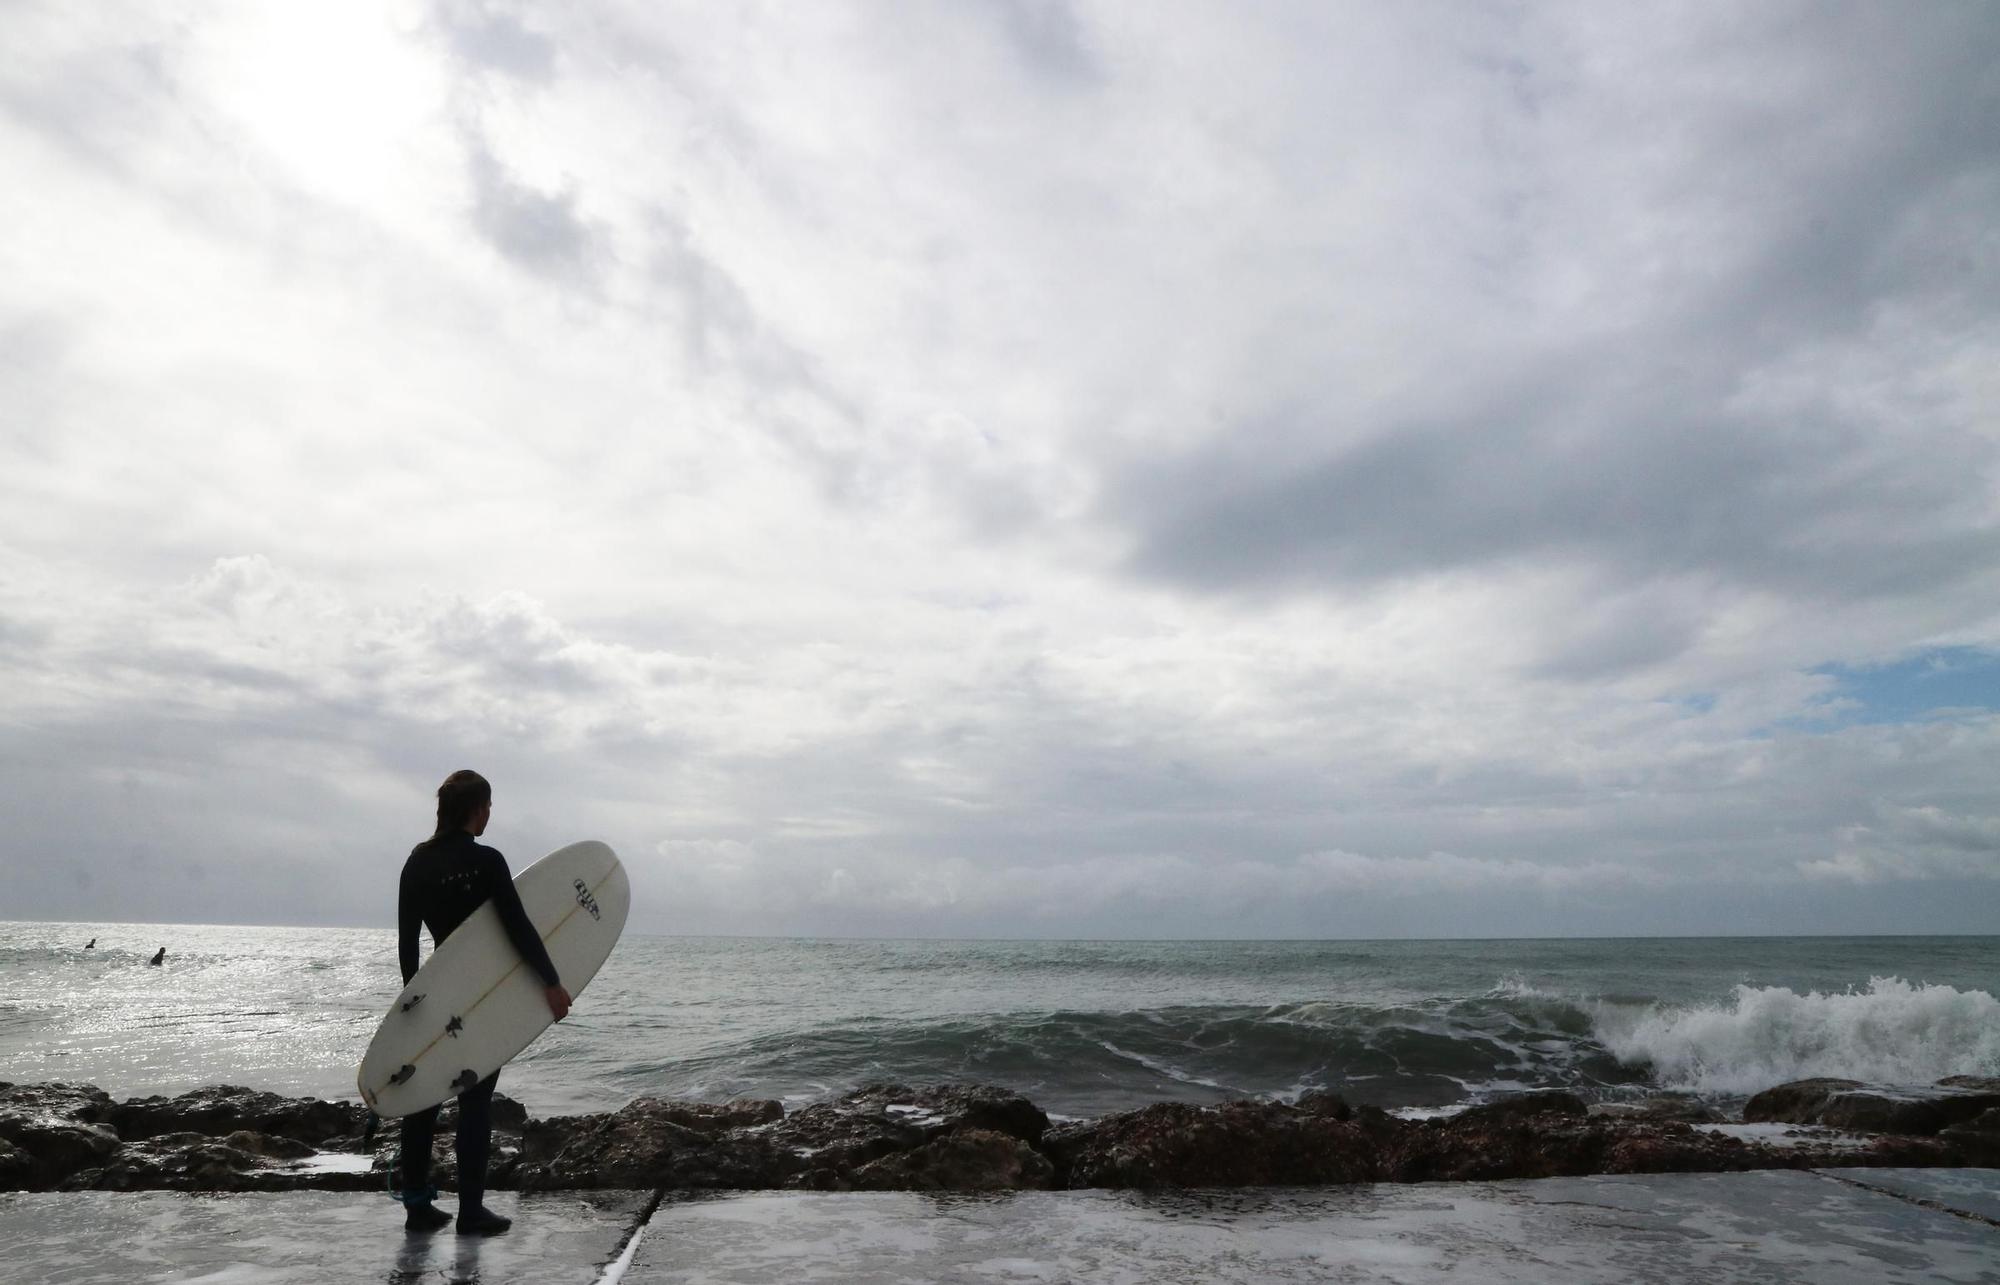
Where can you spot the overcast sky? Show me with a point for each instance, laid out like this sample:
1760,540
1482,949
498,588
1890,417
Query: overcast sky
1008,468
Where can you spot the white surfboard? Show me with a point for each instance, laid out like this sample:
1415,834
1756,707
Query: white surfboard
475,1003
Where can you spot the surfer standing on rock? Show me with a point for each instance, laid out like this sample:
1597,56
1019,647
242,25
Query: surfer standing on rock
447,877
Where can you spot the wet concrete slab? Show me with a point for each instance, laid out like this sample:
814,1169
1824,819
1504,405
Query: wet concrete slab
1850,1225
1759,1227
1968,1191
301,1238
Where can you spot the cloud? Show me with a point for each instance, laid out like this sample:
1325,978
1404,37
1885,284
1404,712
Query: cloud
1913,843
538,230
1032,468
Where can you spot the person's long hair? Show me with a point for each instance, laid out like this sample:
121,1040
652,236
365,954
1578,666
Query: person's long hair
463,793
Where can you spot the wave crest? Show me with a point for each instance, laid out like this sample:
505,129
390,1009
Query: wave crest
1890,1033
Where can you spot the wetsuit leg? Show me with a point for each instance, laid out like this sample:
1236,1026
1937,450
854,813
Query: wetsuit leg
475,1141
419,1127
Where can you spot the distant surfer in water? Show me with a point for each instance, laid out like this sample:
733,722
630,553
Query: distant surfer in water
156,960
91,944
447,877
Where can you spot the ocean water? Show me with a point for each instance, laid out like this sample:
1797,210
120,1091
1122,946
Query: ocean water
1080,1027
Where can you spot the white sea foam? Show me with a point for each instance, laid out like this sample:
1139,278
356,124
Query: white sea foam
1890,1033
1158,1067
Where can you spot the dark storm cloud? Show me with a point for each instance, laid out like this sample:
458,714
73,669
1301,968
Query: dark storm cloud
1640,485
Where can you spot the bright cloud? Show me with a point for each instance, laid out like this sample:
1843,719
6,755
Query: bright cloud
1024,468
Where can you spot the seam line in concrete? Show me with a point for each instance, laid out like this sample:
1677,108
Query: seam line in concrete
1921,1202
614,1271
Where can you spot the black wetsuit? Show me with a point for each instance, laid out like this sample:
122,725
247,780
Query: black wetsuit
444,881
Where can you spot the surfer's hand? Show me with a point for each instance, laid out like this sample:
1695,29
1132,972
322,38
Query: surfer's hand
558,1001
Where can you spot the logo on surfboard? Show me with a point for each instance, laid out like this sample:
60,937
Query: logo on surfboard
588,902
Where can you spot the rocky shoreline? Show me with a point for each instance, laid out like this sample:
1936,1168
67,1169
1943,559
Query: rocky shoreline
963,1137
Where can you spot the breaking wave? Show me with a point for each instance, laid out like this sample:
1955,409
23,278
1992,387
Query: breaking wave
1892,1032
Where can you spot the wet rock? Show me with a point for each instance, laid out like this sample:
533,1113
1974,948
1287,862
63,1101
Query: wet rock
967,1159
242,1161
1977,1139
268,1146
1671,1146
1678,1108
1540,1136
1848,1104
17,1167
219,1110
185,1162
838,1139
508,1116
1325,1102
1795,1102
938,1109
56,1129
1238,1144
711,1120
1528,1106
644,1145
833,1140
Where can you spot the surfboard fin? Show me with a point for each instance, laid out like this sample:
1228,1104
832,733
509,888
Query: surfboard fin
454,1026
404,1074
412,1002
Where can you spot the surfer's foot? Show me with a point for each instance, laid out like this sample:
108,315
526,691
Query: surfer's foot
425,1218
482,1222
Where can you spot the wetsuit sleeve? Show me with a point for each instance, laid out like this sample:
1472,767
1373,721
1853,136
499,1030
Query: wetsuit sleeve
515,919
409,920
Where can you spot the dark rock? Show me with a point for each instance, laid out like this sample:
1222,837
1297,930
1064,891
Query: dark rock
1499,1141
838,1138
645,1145
1849,1104
711,1121
243,1161
269,1146
937,1109
17,1167
1327,1103
1977,1139
173,1162
223,1109
508,1115
1528,1106
58,1128
1238,1144
829,1142
1796,1102
965,1160
1683,1109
